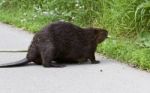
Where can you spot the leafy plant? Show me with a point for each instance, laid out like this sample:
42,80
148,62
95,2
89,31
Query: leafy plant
142,15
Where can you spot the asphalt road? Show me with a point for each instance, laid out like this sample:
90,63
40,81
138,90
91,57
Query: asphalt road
109,76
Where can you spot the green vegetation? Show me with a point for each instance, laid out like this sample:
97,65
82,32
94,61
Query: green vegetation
126,20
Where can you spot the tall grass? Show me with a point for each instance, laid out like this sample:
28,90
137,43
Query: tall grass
84,12
119,16
142,15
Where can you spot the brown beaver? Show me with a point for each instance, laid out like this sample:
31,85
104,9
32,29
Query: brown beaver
60,42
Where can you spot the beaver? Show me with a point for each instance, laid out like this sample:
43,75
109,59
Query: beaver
62,42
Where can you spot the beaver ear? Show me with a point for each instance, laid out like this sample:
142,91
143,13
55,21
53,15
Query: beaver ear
96,31
101,31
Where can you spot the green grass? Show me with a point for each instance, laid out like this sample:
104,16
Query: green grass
126,51
126,20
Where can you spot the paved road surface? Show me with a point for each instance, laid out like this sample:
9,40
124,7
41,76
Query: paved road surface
114,78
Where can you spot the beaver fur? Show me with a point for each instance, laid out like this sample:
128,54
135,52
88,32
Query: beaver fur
63,41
